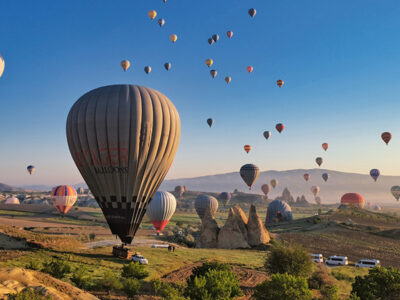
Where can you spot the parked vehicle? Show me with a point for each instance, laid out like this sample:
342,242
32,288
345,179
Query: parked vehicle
368,263
137,257
337,260
318,258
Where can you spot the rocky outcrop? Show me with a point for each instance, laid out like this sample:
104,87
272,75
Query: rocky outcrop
286,196
233,234
209,231
257,234
302,201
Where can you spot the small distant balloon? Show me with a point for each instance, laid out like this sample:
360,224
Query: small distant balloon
325,177
209,62
250,69
247,148
315,190
161,22
396,191
215,37
167,66
229,34
266,189
125,64
274,183
386,137
252,12
2,65
279,83
147,69
228,79
225,197
319,161
325,146
306,176
280,127
152,14
173,38
374,174
31,169
267,134
210,122
213,73
210,41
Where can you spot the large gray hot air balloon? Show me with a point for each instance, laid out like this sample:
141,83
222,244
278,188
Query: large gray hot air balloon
161,209
278,210
123,139
203,202
249,174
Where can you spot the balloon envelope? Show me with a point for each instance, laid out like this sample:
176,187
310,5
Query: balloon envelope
12,200
167,66
152,14
179,190
225,197
147,69
266,189
161,209
123,139
267,134
279,83
228,79
249,69
249,174
213,73
229,34
247,148
210,122
210,41
209,62
274,183
386,137
396,191
319,161
374,174
306,176
2,65
161,22
325,176
325,146
125,64
64,197
31,169
280,127
173,38
215,37
353,199
204,202
252,12
315,190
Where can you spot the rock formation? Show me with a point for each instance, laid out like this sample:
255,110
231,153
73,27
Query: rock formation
233,234
257,234
302,201
209,231
286,196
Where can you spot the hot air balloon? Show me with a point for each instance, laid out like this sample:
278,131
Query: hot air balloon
266,189
210,41
123,139
315,190
213,73
249,174
161,209
173,38
209,62
210,122
152,14
228,79
161,22
64,197
278,210
396,191
353,199
179,190
249,69
215,37
306,176
325,176
12,200
274,183
319,161
167,66
280,127
125,64
2,65
147,69
247,148
325,146
229,34
279,83
386,137
165,1
318,200
31,169
252,12
374,174
267,134
225,197
204,202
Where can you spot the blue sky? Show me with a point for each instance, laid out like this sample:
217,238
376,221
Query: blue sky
340,61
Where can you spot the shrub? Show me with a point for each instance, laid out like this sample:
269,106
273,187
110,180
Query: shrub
131,287
379,281
56,268
81,279
320,277
329,292
109,282
353,297
166,291
34,265
28,294
134,270
341,276
294,260
214,285
208,266
92,236
283,287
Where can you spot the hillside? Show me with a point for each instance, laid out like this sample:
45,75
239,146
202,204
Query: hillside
9,188
331,191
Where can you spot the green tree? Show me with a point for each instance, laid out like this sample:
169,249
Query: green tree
134,270
207,266
28,294
380,284
294,260
81,279
109,282
283,287
329,292
56,268
131,287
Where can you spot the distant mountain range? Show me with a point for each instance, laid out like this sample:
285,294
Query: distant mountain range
46,188
9,188
331,191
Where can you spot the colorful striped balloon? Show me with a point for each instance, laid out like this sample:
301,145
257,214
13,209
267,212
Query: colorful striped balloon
64,197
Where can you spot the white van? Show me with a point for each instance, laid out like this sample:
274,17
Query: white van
337,260
368,263
318,258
